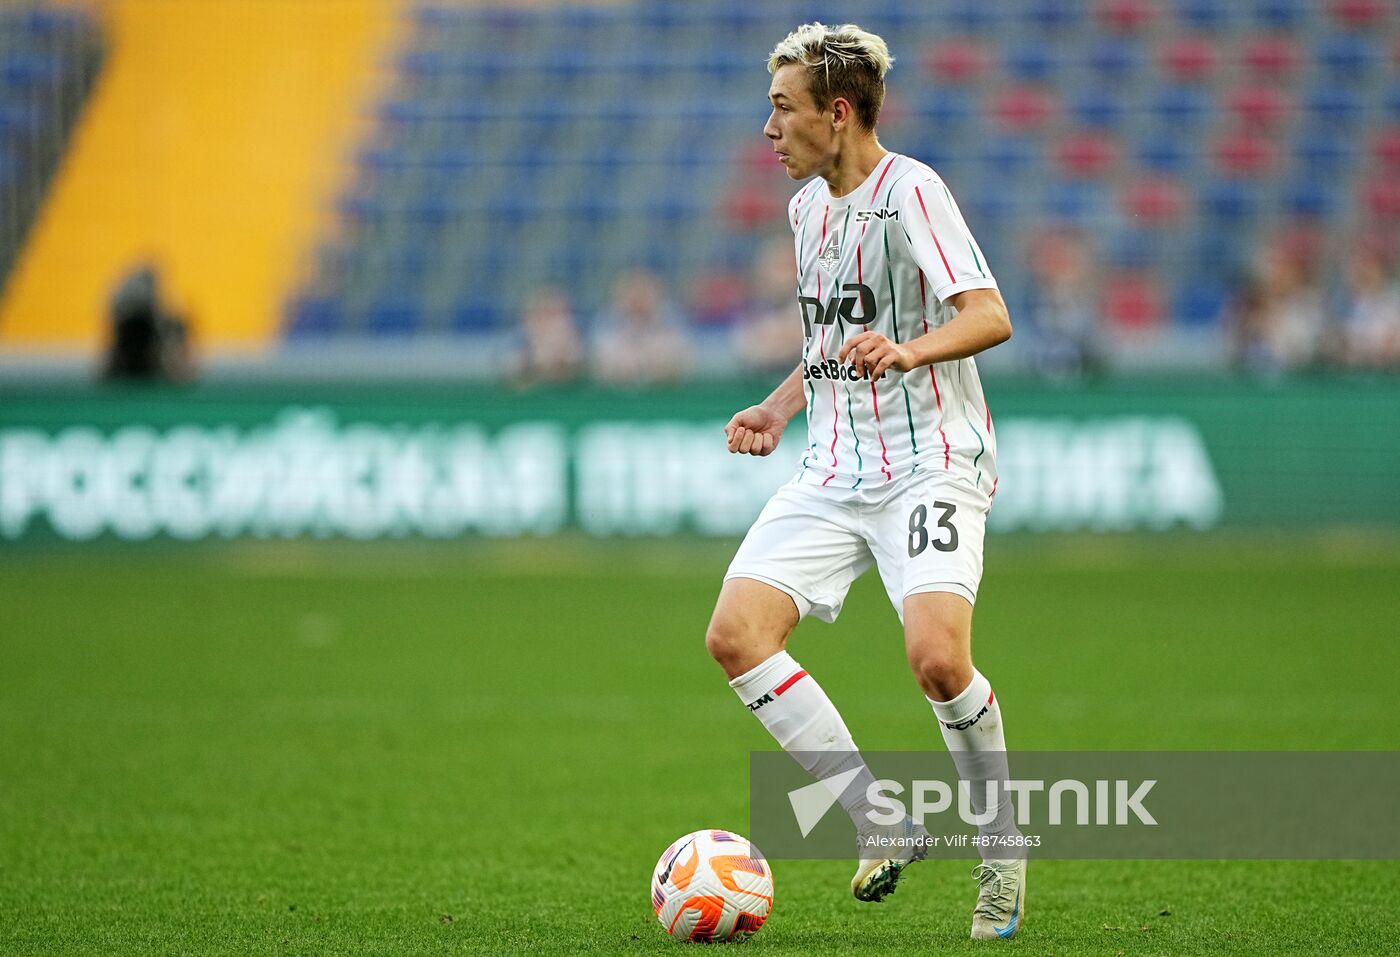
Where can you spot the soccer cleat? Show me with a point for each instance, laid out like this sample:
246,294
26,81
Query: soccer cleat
903,843
1001,899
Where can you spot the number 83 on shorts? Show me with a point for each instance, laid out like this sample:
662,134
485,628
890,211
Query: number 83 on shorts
923,532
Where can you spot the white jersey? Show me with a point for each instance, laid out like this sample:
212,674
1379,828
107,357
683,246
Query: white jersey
886,257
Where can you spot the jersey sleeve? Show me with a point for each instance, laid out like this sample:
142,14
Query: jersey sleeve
942,245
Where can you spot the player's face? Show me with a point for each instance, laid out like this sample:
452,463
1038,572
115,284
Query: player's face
803,136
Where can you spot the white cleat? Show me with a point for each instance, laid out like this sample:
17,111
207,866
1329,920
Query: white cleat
898,846
1001,899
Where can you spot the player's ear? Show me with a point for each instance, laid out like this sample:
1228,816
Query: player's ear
840,112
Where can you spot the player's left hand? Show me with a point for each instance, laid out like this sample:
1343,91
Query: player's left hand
872,352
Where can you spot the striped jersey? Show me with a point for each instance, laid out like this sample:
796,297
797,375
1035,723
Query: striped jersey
886,257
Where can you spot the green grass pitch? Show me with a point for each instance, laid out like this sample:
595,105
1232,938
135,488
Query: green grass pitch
482,747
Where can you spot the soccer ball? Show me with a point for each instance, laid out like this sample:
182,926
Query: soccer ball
712,885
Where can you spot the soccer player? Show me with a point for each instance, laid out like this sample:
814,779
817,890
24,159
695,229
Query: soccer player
900,465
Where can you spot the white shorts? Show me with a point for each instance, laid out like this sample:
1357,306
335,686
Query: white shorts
923,531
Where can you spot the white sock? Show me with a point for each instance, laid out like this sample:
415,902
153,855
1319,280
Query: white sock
801,718
971,726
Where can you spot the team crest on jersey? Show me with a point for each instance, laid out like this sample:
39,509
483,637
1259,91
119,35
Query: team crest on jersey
831,255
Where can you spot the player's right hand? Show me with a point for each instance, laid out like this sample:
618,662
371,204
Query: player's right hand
754,431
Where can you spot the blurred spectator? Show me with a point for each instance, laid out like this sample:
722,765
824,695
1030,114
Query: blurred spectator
149,340
639,339
1061,310
769,338
1370,312
1278,316
550,349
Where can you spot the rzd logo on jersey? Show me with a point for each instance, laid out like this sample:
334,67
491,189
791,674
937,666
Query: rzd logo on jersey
841,307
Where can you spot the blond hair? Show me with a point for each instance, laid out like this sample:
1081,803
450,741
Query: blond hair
843,61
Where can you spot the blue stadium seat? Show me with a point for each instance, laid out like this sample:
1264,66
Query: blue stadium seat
1232,200
1166,152
1075,201
1322,150
1010,155
1205,15
948,107
1310,198
395,313
1098,109
314,317
1348,55
1115,57
1181,106
1334,104
1053,14
1199,303
1030,60
476,313
1282,14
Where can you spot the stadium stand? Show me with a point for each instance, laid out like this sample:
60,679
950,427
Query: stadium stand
524,147
49,58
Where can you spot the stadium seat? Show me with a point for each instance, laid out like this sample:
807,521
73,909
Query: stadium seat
1183,108
1098,109
1022,108
1243,153
1335,105
396,313
1154,201
1231,200
1053,14
1125,15
1199,303
1282,14
959,60
314,317
1259,107
1271,57
1348,56
1114,58
1323,150
1359,13
1204,14
1030,60
1165,151
1190,59
1086,154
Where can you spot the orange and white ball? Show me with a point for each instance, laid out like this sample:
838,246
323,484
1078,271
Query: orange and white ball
712,886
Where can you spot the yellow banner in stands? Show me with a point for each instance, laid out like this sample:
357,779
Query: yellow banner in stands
212,145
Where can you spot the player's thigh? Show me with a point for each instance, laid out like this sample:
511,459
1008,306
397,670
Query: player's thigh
928,538
807,545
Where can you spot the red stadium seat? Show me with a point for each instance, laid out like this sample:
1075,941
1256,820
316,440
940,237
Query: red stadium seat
1358,13
1245,153
1274,58
958,60
1132,301
1259,107
1388,149
1155,201
1190,58
1022,108
1125,15
1087,154
1383,197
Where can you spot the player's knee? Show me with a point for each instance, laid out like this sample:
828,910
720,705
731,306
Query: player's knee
942,672
736,646
724,641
